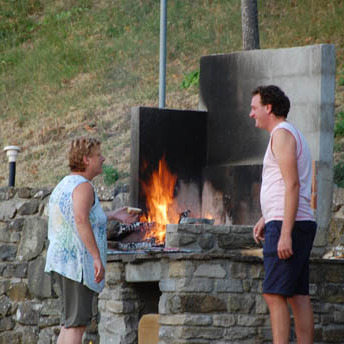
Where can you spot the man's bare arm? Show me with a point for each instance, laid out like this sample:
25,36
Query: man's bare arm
285,150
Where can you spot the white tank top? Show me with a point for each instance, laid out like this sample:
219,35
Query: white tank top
273,187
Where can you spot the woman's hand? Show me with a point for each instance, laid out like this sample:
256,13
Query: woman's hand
122,215
258,230
99,271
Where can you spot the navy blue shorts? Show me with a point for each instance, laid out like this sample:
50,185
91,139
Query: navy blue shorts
290,276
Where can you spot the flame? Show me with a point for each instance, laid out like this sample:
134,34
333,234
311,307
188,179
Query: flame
159,192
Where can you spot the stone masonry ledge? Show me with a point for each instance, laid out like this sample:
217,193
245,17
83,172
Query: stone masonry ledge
137,257
234,255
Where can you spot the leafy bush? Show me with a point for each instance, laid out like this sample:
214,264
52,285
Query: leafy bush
339,174
110,175
339,125
190,79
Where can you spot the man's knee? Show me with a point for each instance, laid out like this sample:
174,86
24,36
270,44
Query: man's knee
272,299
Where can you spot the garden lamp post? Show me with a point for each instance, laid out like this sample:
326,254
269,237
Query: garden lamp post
12,152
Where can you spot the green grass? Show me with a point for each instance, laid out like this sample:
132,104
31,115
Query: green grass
77,66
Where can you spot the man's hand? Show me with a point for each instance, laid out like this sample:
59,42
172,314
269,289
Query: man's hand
284,247
258,230
99,271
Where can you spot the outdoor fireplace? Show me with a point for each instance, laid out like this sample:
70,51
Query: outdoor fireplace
170,175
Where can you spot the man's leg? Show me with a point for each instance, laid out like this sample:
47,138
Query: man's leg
303,318
71,335
279,316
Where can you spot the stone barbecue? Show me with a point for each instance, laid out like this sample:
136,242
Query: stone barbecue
196,176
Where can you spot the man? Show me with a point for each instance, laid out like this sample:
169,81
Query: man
287,224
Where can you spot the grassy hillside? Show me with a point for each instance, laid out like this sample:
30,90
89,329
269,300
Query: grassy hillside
73,67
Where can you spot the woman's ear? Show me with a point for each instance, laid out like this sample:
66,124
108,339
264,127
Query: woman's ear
86,160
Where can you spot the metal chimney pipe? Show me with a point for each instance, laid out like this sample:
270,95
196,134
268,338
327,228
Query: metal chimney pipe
12,152
162,65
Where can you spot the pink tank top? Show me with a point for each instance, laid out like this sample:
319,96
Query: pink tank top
273,188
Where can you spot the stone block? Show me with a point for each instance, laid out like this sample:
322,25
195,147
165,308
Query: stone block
4,232
339,317
4,286
33,238
5,305
224,320
51,307
240,303
195,285
114,273
199,303
173,320
48,322
42,194
118,307
235,241
145,272
239,271
198,320
210,271
48,335
8,210
207,241
181,268
39,282
167,285
7,324
229,285
17,224
30,335
334,275
24,192
333,334
18,270
11,337
7,251
18,292
121,200
28,313
202,333
169,334
256,271
250,320
237,333
7,193
261,307
28,207
332,293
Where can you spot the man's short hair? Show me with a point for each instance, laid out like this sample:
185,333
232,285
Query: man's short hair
80,147
274,96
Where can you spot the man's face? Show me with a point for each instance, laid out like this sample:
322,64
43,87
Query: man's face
259,112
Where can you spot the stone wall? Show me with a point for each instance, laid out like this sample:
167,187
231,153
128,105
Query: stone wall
29,307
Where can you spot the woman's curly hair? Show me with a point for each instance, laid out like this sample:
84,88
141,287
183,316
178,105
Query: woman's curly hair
80,147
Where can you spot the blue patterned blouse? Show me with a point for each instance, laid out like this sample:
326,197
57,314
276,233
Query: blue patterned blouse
67,254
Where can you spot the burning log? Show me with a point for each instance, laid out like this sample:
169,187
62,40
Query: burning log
137,246
117,231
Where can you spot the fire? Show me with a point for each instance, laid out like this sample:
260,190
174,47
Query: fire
159,199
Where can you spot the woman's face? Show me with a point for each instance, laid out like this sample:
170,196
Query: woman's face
95,162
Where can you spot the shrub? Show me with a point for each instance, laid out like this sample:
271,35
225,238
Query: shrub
338,177
110,175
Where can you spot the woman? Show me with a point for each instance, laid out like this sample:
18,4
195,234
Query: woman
77,238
